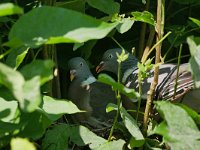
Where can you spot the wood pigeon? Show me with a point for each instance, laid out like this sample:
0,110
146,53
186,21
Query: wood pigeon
79,88
166,82
87,94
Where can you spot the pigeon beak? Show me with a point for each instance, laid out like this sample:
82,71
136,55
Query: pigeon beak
99,68
72,74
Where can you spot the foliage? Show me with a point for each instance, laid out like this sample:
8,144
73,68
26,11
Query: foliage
32,90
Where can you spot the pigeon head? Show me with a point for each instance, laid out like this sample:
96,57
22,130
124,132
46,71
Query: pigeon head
109,62
80,71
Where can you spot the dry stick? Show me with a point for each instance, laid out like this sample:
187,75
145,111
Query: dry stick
142,33
149,44
150,94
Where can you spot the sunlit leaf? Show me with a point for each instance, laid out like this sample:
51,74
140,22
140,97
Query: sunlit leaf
55,108
13,80
10,9
144,16
7,110
32,96
21,144
137,139
196,21
194,62
42,68
178,129
81,136
107,6
36,27
131,93
119,144
125,25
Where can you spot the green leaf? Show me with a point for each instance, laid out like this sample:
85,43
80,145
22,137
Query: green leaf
178,129
125,25
56,138
187,2
117,86
32,97
55,108
21,144
16,56
13,80
119,144
7,110
196,21
10,9
195,116
36,27
34,124
137,140
144,16
81,136
42,68
78,5
110,107
109,7
194,62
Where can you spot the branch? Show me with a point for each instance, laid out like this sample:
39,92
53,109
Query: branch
150,93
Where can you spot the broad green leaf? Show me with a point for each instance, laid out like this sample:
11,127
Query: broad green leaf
34,124
7,110
109,7
10,9
195,116
137,139
144,16
21,144
178,129
81,136
56,138
196,21
125,25
32,96
16,57
64,28
112,145
42,68
13,80
55,108
131,93
194,62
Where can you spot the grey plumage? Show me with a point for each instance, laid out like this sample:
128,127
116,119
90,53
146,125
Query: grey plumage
87,94
79,89
166,81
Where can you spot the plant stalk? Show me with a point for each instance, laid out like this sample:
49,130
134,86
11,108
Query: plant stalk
150,93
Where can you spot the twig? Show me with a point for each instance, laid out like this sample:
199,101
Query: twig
142,34
179,60
150,94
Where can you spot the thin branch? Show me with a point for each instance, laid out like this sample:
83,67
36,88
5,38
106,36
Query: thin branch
178,65
142,34
150,94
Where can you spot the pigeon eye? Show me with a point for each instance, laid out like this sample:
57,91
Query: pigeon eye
81,64
110,56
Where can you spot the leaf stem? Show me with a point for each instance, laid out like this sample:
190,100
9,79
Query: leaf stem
118,97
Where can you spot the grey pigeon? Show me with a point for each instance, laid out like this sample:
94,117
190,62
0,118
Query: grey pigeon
166,82
87,94
79,88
